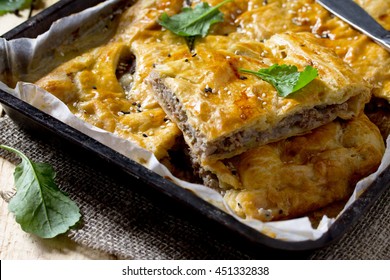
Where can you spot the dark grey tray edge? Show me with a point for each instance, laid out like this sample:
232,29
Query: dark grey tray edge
29,117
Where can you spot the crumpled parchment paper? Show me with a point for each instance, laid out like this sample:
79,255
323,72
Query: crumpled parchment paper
25,61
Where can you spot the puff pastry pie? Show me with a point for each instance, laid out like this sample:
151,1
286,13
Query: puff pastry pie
222,112
271,157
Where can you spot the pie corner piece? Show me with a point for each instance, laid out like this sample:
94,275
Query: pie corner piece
223,112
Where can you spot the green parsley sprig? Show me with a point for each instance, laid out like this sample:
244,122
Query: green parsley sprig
10,6
285,78
40,207
192,22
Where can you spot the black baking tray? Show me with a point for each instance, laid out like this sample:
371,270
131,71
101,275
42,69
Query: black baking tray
37,122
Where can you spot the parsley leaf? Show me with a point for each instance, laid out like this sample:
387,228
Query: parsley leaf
285,78
39,205
9,6
193,22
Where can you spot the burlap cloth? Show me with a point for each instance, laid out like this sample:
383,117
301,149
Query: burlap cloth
131,225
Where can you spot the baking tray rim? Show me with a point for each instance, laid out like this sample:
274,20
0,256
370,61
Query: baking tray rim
15,107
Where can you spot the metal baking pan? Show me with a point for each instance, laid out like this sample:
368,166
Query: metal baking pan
39,123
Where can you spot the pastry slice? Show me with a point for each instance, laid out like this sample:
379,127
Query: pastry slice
300,174
223,112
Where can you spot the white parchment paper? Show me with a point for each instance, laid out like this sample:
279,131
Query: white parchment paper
24,60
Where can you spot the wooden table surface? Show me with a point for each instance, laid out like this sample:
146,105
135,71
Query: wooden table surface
15,243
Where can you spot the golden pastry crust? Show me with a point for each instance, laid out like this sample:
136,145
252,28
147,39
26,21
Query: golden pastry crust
295,176
223,112
139,34
105,86
372,62
108,87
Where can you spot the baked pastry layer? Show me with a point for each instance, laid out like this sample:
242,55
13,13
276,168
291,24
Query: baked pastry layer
259,21
294,176
105,86
223,112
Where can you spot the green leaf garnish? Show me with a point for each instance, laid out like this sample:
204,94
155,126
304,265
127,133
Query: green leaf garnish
285,78
193,22
9,6
39,205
